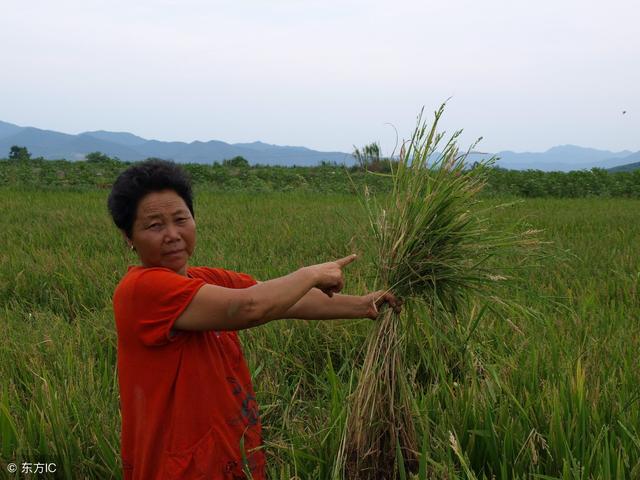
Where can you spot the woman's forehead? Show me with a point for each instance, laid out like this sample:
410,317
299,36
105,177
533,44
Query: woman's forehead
166,202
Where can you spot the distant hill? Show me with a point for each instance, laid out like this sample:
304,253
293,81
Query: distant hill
126,146
562,158
122,138
630,167
634,164
7,129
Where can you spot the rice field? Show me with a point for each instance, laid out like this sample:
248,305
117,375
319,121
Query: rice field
553,395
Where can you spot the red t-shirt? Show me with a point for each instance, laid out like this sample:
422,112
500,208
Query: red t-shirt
188,407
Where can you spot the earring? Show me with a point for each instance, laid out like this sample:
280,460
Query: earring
132,247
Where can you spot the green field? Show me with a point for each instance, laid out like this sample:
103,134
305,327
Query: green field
550,395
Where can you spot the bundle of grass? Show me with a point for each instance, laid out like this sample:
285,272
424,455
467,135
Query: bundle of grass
434,246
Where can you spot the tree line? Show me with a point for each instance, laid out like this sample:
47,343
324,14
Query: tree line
99,170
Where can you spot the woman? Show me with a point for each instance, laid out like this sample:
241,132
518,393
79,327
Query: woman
187,403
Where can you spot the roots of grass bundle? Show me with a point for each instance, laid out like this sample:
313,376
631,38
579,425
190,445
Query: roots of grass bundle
381,422
433,246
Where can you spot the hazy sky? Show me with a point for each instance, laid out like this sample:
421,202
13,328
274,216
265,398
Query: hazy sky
525,75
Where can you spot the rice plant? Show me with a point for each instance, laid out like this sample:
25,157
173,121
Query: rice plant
433,246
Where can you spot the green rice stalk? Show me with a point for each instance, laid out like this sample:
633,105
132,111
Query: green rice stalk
434,247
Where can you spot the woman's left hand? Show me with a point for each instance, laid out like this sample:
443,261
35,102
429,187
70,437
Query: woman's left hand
375,300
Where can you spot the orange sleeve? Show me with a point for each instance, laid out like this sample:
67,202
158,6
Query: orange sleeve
237,279
159,297
223,278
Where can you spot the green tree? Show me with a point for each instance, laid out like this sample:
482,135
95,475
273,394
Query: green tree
237,162
19,153
97,157
369,159
369,155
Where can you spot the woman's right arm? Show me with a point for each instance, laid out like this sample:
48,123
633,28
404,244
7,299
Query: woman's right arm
220,308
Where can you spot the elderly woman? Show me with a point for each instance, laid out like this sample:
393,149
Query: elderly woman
188,407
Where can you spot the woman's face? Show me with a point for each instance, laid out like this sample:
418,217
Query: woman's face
164,232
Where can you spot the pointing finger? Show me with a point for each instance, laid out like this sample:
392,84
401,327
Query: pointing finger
346,260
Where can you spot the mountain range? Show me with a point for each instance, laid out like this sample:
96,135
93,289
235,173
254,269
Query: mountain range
126,146
565,158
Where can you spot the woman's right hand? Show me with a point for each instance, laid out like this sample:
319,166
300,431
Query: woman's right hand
328,276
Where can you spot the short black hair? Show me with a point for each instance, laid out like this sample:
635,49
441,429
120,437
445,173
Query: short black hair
152,175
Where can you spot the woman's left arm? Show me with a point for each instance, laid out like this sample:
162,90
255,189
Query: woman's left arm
316,305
